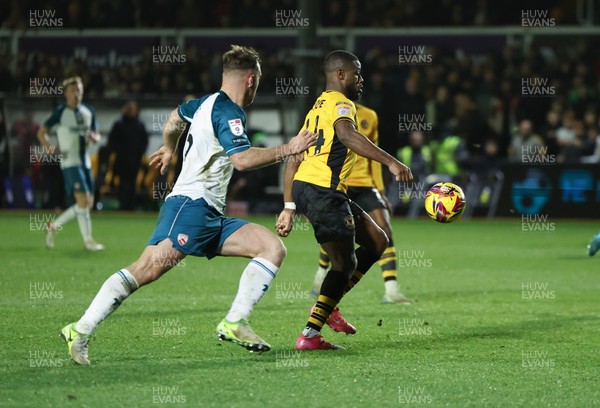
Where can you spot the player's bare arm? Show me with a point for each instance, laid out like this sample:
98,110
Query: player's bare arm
93,136
285,219
254,157
42,136
361,145
171,133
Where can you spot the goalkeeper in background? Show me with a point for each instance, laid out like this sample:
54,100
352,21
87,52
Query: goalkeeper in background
365,188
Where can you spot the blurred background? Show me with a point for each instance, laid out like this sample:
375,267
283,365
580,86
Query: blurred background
502,98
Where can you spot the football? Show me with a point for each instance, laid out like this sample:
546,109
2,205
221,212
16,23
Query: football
445,202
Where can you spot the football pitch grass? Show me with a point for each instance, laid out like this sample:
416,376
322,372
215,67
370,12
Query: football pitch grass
506,316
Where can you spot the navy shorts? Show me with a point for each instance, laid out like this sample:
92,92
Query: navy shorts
193,226
78,180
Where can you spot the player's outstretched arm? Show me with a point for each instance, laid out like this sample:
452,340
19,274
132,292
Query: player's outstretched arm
93,136
255,157
42,136
283,226
361,145
171,134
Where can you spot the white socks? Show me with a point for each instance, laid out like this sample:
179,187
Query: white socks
65,217
309,332
254,283
85,223
391,286
110,296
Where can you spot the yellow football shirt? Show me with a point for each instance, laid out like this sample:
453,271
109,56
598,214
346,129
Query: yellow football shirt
366,172
328,163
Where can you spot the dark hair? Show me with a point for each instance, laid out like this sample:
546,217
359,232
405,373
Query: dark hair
240,58
338,59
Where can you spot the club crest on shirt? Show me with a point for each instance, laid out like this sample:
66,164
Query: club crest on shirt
235,125
350,222
364,124
182,239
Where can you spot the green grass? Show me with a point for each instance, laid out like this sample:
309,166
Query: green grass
471,339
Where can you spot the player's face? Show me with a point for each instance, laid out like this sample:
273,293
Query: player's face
353,81
74,94
252,90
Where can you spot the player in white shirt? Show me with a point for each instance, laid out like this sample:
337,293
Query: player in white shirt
76,128
191,221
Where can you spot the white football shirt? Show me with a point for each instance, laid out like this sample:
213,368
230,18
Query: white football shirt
216,131
71,127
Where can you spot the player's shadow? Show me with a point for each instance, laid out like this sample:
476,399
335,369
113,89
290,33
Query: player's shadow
581,257
457,294
522,329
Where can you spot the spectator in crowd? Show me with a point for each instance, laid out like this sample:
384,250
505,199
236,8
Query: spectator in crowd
591,142
25,131
381,98
128,139
595,158
549,130
488,160
525,142
450,155
412,102
440,109
568,137
417,155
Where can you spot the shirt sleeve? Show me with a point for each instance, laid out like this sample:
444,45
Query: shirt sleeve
229,126
54,118
187,110
344,109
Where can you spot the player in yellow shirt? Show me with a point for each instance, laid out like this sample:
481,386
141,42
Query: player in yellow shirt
315,185
365,188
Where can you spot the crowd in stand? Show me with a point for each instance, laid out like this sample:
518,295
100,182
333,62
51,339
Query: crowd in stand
548,93
554,89
263,13
455,112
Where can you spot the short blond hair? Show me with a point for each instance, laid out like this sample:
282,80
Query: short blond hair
240,58
71,81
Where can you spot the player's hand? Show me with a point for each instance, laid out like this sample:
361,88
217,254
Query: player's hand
400,171
284,222
161,159
301,142
93,137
